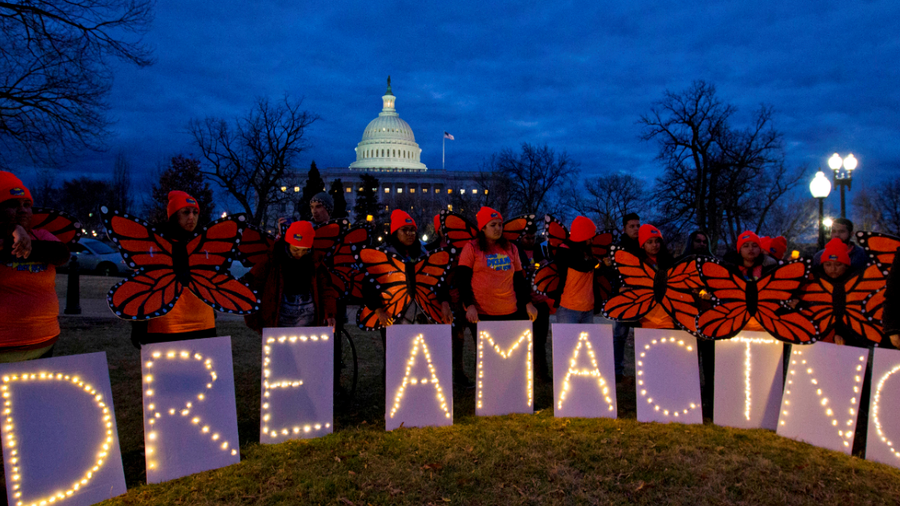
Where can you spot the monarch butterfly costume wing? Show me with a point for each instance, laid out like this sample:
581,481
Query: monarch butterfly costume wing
456,229
166,268
682,280
738,300
636,296
514,228
389,275
254,246
556,233
545,279
864,294
328,235
601,243
347,274
431,272
61,224
880,247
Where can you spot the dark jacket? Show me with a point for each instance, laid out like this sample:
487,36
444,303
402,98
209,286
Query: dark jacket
568,257
267,278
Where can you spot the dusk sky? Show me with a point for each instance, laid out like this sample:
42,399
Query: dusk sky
575,76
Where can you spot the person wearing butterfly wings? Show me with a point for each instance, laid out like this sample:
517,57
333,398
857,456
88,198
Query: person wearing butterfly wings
29,307
490,277
176,267
574,295
295,290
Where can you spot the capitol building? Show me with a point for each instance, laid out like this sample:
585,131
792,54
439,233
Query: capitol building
388,151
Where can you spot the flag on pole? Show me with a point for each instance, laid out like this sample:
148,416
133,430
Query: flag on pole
448,136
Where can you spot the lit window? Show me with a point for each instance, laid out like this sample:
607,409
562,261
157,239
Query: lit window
387,190
424,190
485,192
296,189
449,190
350,188
412,190
462,191
449,207
283,189
386,208
399,190
360,189
474,191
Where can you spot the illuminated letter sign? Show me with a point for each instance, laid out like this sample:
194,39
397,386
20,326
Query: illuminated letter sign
60,444
582,384
297,398
505,382
748,381
419,367
668,376
190,422
883,437
822,395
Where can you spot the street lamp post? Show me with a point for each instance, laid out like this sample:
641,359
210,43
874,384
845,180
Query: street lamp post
843,174
820,187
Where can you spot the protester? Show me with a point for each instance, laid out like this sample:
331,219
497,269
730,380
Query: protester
190,318
29,307
294,290
574,296
749,257
532,257
775,247
842,229
321,207
623,331
490,277
697,244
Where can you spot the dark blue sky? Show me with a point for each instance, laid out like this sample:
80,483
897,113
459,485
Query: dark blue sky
495,74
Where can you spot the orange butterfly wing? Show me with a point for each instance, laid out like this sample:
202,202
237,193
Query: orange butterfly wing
545,279
556,233
880,247
729,315
141,246
864,296
456,229
636,297
431,272
602,242
61,224
327,236
388,273
817,299
678,299
514,228
347,274
773,313
145,295
254,246
209,257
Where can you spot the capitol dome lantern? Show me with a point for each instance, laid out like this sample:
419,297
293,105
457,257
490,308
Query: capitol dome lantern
388,143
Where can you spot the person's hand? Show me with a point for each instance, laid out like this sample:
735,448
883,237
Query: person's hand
21,243
472,314
447,312
532,311
330,322
895,340
383,318
838,340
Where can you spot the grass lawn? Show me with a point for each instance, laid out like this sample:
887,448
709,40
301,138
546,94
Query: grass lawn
516,459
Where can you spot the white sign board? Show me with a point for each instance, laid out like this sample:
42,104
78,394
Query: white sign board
190,421
583,371
668,376
297,396
749,381
883,437
822,395
60,443
418,377
504,368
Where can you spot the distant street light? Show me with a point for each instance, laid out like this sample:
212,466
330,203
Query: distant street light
820,187
828,222
843,174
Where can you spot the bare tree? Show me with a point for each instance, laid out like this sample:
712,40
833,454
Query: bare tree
182,174
253,159
888,205
717,177
607,199
533,177
55,71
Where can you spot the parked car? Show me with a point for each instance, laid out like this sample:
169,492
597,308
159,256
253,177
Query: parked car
99,257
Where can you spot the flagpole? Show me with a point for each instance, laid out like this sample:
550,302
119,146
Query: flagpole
443,152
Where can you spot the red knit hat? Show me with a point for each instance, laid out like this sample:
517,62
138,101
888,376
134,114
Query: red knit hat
765,242
777,247
300,233
401,219
646,232
485,215
836,250
11,187
582,229
437,223
179,199
747,236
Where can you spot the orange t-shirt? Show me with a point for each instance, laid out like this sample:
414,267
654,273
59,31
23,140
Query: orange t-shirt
578,294
189,314
492,277
29,306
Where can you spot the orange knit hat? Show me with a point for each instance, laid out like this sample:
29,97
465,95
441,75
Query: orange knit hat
582,229
11,187
485,215
646,232
401,219
300,233
179,199
836,250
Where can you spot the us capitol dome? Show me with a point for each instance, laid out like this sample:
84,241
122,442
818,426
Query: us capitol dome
388,142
